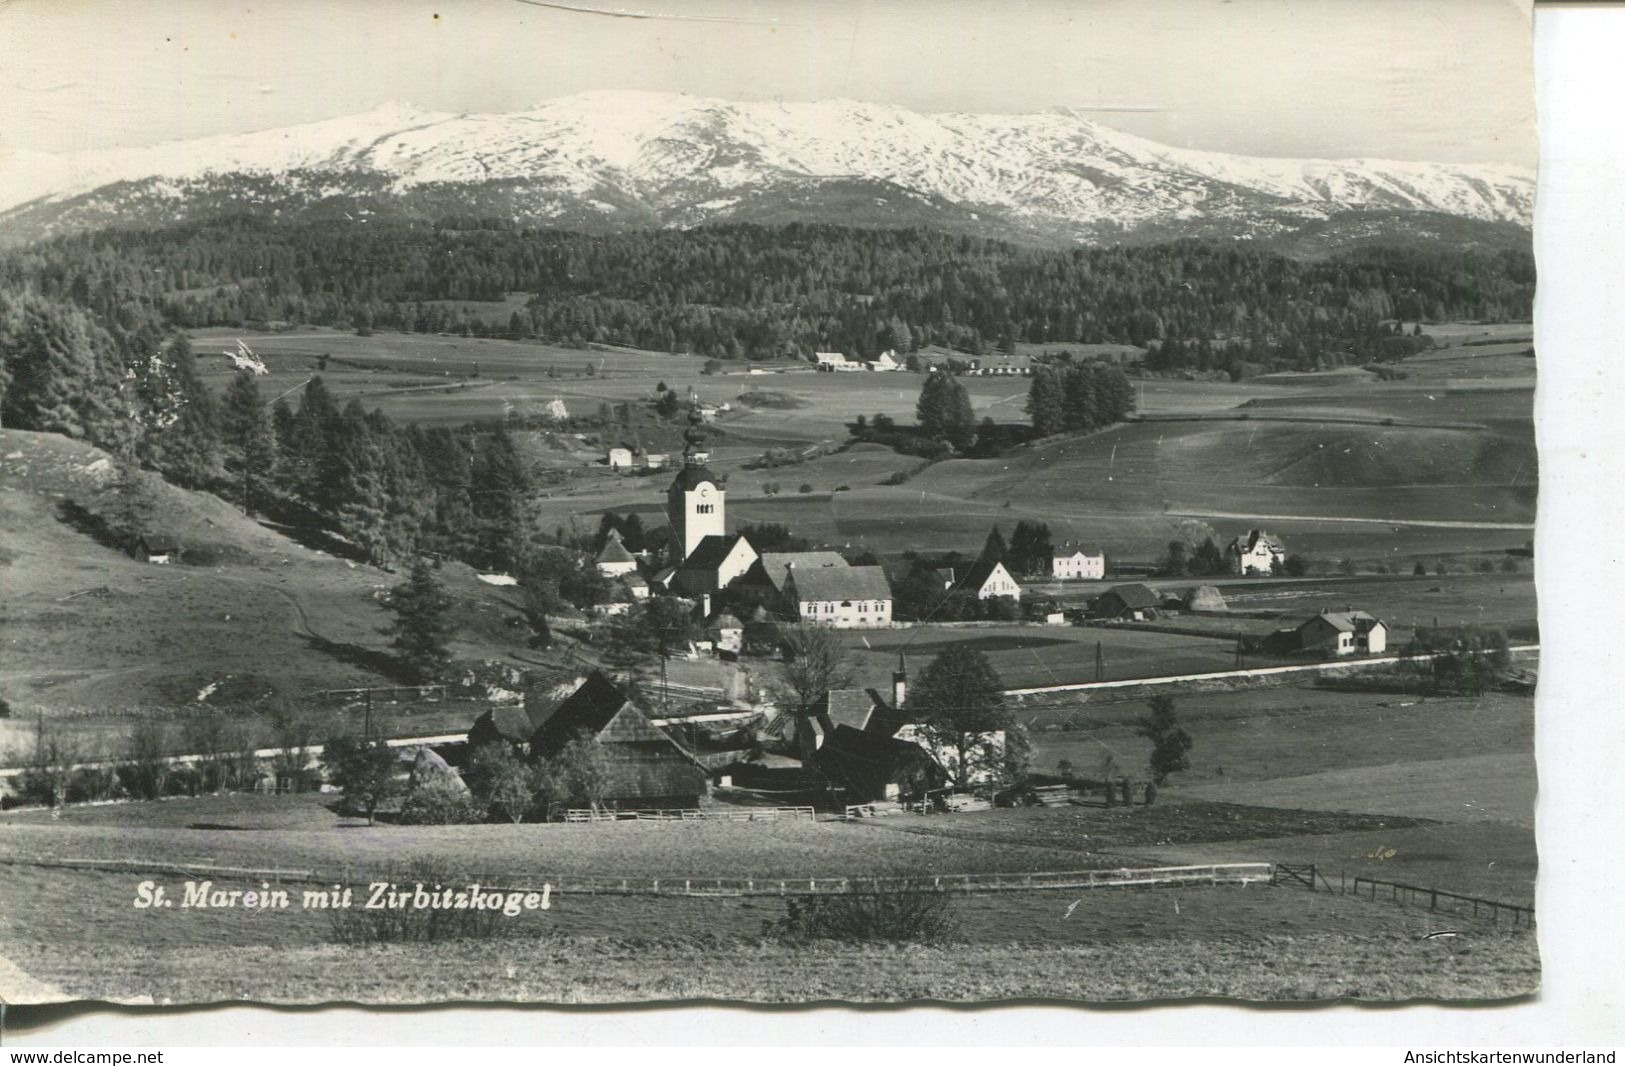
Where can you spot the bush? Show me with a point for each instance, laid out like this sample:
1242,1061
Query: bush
806,487
916,913
440,800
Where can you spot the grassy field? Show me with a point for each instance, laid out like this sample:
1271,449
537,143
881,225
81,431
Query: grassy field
88,628
1314,966
1334,490
1031,656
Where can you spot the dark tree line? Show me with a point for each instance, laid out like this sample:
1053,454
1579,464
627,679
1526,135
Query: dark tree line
764,292
1078,397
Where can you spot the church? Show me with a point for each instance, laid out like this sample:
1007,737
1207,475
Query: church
705,558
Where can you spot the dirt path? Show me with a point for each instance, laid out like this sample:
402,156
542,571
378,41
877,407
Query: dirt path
18,988
1425,523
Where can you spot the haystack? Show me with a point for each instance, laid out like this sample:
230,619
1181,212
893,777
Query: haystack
1205,598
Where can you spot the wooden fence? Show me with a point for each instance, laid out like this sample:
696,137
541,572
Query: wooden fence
741,814
1220,874
1435,899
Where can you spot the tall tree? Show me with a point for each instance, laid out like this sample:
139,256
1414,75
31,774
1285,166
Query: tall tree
423,627
250,439
364,770
959,704
944,409
1046,401
1170,744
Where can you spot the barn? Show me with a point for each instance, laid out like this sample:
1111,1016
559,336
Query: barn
1134,602
647,767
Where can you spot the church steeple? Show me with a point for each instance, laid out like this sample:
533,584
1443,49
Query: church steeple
696,501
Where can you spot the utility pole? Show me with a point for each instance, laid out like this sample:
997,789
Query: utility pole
1100,662
367,730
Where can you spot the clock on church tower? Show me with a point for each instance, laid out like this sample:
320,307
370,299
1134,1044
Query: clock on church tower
695,501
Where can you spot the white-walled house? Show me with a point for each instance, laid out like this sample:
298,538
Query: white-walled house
990,580
619,459
1343,633
841,596
1071,563
1256,553
613,558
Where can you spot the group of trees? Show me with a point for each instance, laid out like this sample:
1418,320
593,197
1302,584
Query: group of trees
770,291
1077,397
497,784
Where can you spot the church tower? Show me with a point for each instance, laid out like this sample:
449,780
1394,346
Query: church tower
695,503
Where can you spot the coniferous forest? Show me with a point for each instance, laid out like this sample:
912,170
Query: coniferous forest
91,332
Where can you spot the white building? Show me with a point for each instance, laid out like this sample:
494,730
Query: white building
619,459
990,580
613,558
1256,553
843,597
1071,563
829,361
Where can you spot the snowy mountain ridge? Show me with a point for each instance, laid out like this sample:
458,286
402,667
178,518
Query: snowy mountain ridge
655,158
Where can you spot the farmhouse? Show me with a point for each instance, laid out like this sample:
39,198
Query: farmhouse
989,580
159,548
637,585
1069,562
619,458
869,767
1256,553
776,565
646,767
1342,633
613,558
655,460
841,596
885,362
1133,602
834,361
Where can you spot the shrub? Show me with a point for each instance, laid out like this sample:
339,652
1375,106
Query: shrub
806,487
440,800
918,913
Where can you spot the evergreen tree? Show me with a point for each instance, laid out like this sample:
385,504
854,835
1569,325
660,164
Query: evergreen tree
423,628
994,549
249,437
944,410
959,703
1046,401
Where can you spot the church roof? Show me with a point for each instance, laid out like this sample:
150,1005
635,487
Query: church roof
711,552
692,476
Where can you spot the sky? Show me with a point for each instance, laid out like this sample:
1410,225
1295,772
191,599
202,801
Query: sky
1443,80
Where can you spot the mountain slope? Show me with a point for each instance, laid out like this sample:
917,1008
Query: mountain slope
622,159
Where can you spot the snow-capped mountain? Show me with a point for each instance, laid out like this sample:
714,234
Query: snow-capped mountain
632,158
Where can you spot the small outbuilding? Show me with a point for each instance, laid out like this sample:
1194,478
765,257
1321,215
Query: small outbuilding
158,548
1133,602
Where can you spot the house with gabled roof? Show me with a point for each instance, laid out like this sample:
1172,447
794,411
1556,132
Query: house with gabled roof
841,596
869,767
613,558
988,579
776,565
1342,633
1072,562
1133,602
1256,553
647,768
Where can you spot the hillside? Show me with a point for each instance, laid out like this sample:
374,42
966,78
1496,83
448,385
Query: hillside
89,627
611,160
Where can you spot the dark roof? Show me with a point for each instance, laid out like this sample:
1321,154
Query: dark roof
589,708
160,542
614,551
865,763
774,563
979,572
724,620
837,583
1253,537
710,553
1132,596
1072,547
691,476
848,706
1345,621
